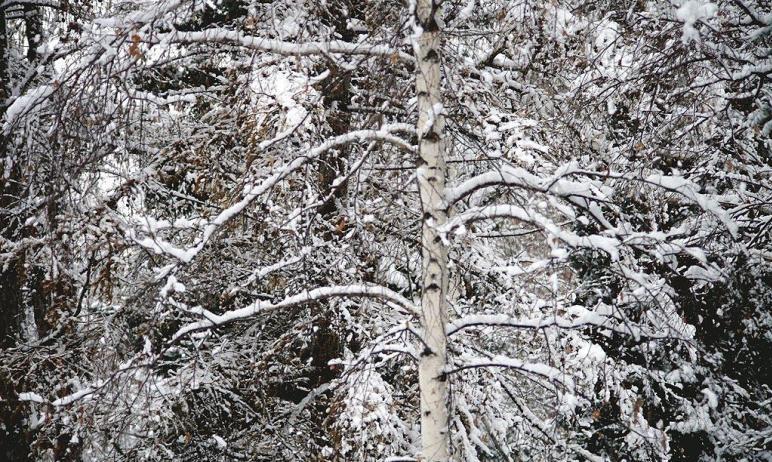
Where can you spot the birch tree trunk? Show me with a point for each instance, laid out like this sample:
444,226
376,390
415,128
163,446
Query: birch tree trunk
430,176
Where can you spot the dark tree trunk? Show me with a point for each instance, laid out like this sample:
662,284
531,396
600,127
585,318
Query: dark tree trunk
14,444
33,31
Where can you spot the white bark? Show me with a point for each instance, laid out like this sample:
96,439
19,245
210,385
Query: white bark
430,175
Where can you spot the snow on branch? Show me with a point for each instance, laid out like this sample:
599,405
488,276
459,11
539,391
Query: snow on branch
543,371
582,194
689,190
24,104
583,318
71,398
676,184
59,402
264,271
30,3
224,36
545,430
606,244
321,293
521,178
589,319
251,192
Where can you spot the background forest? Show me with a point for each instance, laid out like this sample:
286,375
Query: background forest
338,230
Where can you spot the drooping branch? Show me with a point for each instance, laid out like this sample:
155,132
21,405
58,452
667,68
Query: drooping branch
607,244
553,376
584,195
557,185
259,307
251,192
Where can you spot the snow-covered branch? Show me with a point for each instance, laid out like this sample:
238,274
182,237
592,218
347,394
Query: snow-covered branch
543,371
578,192
676,184
606,244
251,192
230,37
30,3
321,293
583,318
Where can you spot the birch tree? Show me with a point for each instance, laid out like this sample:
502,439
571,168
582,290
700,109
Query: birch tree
474,230
430,177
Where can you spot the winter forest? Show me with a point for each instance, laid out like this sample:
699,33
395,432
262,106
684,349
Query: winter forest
386,230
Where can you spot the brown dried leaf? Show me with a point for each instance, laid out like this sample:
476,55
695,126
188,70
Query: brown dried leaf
134,50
